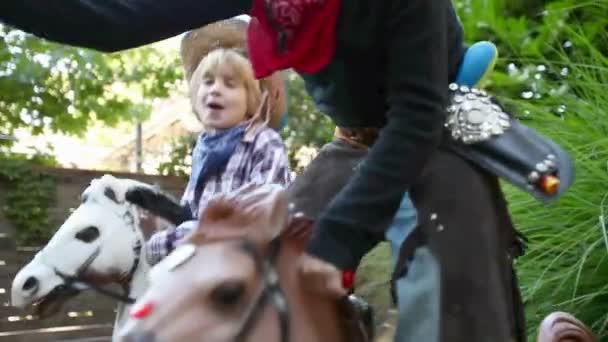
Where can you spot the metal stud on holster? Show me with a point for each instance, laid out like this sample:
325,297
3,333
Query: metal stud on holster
483,132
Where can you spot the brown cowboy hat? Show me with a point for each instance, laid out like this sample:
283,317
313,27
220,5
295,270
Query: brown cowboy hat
231,34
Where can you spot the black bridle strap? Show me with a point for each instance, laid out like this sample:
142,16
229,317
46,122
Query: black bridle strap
280,304
253,315
274,288
271,290
68,280
76,282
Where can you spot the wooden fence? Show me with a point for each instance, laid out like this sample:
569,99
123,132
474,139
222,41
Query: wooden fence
87,317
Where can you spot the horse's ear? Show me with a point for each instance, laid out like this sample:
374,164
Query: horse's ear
298,232
216,220
257,211
219,208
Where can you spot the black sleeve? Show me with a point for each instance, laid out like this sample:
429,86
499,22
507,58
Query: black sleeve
417,84
112,25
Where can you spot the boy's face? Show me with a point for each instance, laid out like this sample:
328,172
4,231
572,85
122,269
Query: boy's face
221,100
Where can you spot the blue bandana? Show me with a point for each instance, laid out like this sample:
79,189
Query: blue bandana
211,155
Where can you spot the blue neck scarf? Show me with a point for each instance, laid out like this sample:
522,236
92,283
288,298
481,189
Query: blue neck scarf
211,155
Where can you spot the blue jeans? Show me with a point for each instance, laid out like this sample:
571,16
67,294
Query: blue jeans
417,291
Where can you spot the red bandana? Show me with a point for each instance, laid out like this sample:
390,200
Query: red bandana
298,34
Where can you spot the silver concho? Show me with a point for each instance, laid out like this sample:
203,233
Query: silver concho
472,117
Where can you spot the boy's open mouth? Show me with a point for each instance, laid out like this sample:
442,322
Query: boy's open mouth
215,105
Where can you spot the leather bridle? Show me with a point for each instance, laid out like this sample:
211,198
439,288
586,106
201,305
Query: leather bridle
270,291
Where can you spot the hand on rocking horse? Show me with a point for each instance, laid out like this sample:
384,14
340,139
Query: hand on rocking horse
321,277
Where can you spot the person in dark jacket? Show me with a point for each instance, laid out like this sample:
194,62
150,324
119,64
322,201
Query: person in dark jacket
380,70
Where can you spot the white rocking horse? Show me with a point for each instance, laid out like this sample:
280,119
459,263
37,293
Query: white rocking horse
101,243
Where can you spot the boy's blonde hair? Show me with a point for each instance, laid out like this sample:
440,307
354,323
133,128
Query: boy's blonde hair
222,60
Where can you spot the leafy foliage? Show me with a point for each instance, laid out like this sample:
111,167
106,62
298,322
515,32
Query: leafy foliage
307,127
29,196
532,33
51,87
180,158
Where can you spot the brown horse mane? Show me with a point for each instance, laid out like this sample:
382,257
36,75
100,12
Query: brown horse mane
256,212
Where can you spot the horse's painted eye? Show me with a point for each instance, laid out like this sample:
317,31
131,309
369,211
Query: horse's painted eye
228,295
88,235
109,193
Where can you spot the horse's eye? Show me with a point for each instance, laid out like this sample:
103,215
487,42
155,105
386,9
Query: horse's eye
228,295
88,235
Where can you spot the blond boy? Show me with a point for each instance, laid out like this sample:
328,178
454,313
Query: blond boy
240,144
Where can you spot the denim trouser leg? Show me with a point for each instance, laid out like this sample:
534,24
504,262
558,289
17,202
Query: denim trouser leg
404,222
418,290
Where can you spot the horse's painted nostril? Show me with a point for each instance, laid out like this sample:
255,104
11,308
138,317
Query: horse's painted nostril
142,311
30,285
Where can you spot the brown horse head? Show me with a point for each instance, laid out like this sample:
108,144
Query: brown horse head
236,279
563,327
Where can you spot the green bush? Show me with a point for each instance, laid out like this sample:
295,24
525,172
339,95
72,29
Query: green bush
29,195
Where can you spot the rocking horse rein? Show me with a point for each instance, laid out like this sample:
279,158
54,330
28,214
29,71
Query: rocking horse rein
271,290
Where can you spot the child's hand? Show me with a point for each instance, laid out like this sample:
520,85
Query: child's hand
320,276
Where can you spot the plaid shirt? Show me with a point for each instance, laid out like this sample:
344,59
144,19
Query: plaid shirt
260,160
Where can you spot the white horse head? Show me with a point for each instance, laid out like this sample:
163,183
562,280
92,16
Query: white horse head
100,243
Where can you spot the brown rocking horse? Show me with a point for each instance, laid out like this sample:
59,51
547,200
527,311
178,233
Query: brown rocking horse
237,279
